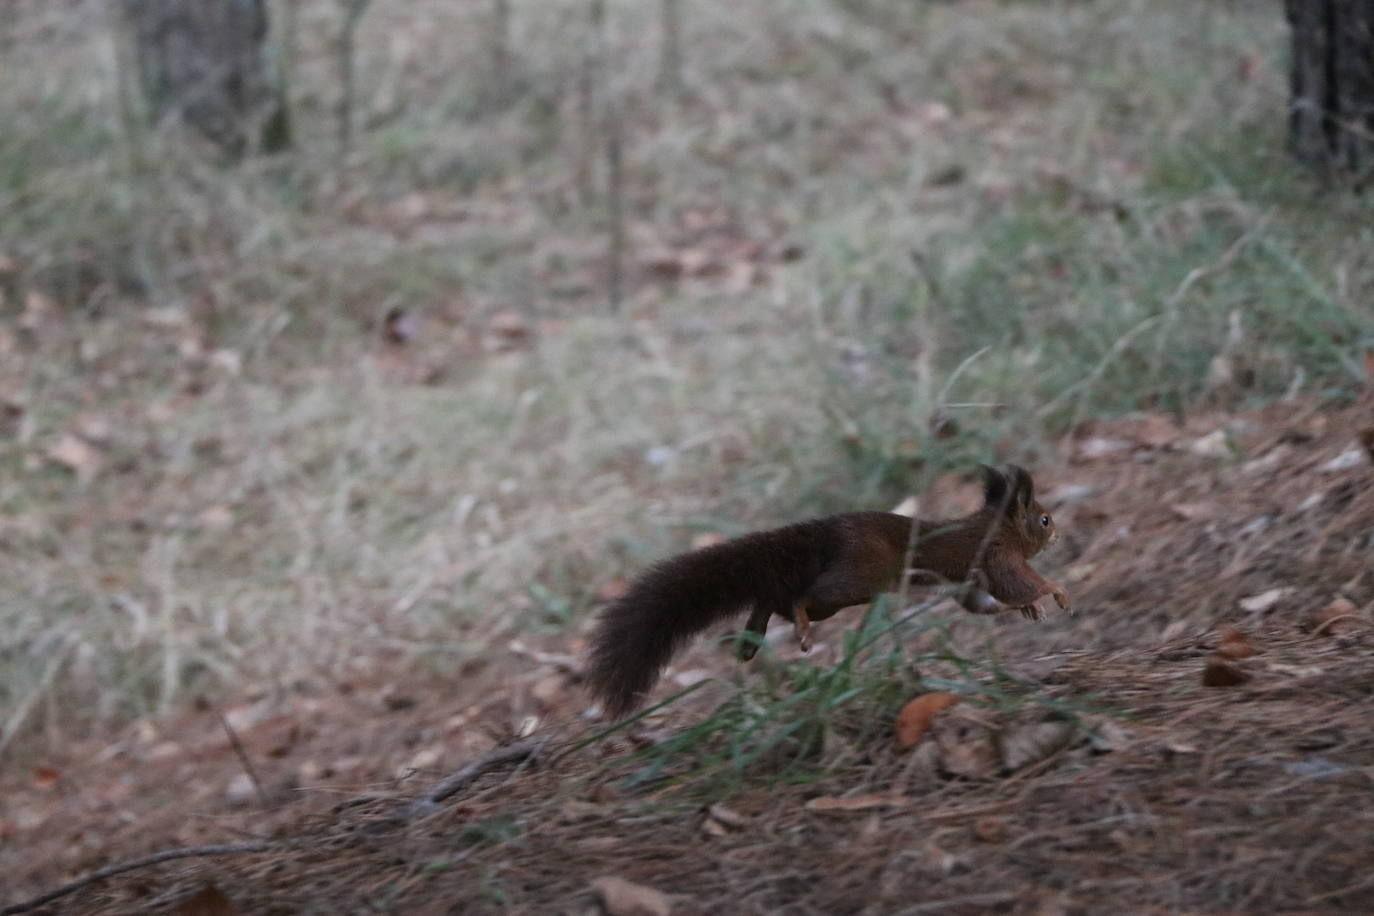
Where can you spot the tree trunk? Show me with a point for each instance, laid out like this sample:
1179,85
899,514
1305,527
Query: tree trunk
208,63
1331,114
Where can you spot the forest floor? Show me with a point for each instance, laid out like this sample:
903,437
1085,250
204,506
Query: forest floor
1226,549
314,470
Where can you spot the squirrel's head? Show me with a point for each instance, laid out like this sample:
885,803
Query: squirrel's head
1012,496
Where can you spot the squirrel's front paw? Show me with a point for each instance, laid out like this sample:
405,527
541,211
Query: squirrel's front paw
1061,598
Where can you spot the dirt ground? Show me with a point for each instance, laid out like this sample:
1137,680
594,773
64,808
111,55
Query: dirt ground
1229,549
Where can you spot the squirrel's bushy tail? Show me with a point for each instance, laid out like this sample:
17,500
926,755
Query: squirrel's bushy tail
639,633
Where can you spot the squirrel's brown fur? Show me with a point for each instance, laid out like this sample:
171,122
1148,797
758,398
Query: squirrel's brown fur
811,570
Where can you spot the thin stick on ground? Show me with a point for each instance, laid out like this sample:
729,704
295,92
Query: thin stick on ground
243,759
464,777
167,855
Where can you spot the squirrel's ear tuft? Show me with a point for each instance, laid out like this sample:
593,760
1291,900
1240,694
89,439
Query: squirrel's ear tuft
995,486
1022,487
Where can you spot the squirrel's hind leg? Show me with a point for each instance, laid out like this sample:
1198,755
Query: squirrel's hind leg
801,625
754,631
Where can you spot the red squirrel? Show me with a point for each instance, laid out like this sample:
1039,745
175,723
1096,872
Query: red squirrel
811,570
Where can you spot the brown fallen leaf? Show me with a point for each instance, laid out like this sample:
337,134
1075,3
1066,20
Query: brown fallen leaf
208,901
1191,512
400,326
41,313
943,425
509,328
1222,672
625,898
612,590
576,809
215,518
916,717
968,748
1338,616
856,803
712,827
707,539
77,456
1030,744
1233,643
1367,440
45,778
990,830
727,816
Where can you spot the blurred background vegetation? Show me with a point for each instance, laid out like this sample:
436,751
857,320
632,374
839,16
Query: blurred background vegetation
411,325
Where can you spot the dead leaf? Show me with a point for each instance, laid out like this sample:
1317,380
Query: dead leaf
1297,670
1191,512
1233,643
1155,431
77,456
1034,743
509,327
547,691
41,313
712,827
967,748
1108,737
613,590
1212,445
663,265
240,791
1367,440
216,518
400,326
1339,616
45,778
1350,458
990,830
916,716
1222,672
1100,447
693,676
227,361
727,816
94,428
625,898
208,901
1258,604
906,507
856,803
575,809
943,425
707,539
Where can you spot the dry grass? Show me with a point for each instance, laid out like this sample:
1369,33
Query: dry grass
1168,794
273,494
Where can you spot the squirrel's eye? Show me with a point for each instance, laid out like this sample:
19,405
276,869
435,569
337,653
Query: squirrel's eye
1045,521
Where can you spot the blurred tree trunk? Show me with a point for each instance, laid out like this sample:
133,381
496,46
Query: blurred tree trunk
1331,114
209,63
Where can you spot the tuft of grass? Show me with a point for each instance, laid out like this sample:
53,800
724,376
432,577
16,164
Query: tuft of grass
800,721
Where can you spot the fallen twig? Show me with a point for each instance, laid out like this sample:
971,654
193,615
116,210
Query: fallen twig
243,759
465,776
184,852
